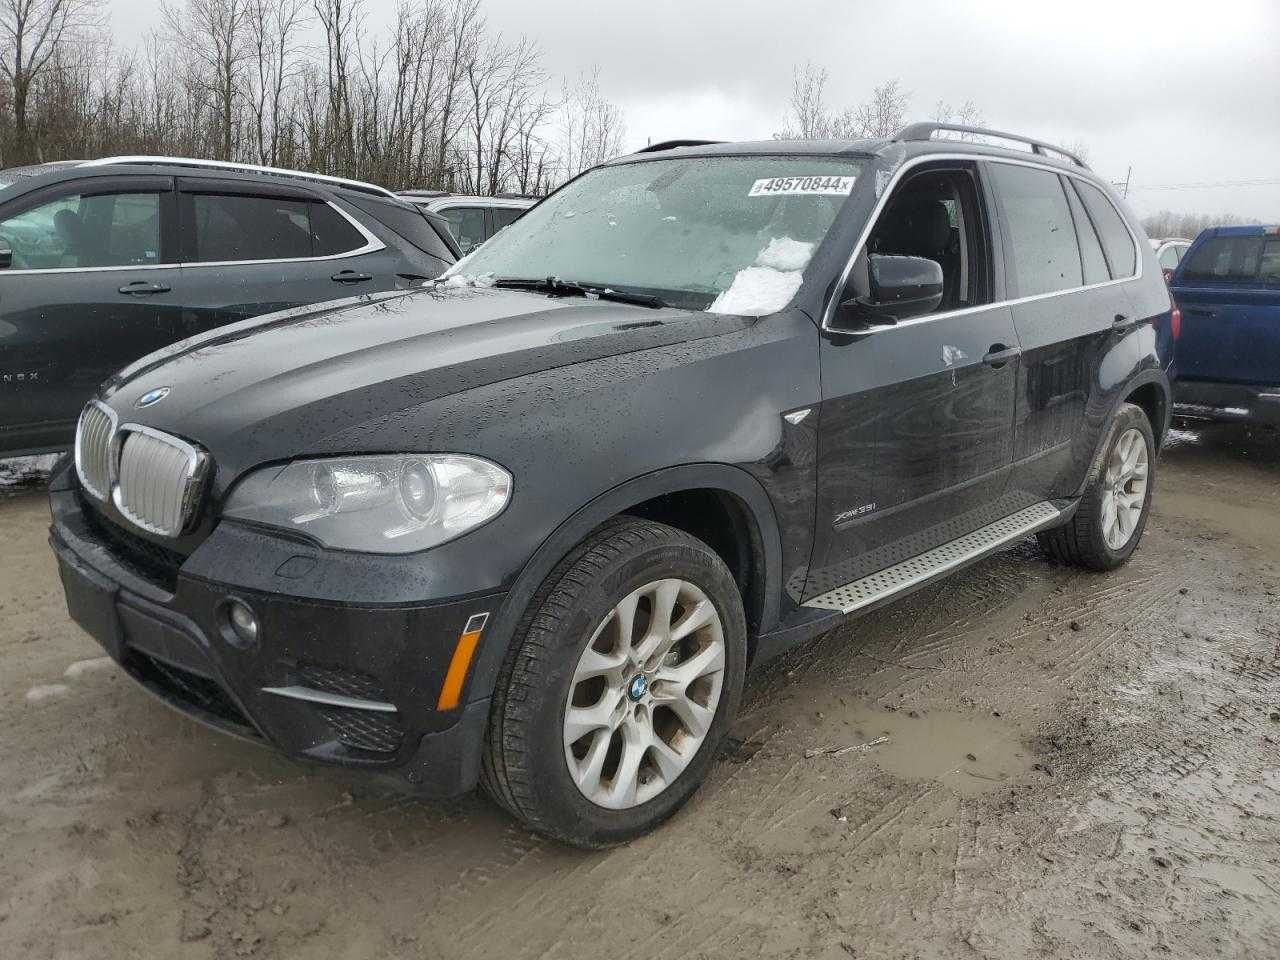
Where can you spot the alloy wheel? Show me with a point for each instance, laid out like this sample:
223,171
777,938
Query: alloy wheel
1124,488
644,694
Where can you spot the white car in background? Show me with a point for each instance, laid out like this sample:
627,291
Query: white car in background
472,220
1169,253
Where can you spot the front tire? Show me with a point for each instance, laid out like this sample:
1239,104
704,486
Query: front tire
620,686
1113,512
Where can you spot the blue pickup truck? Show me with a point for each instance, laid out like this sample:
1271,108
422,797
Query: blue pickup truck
1227,353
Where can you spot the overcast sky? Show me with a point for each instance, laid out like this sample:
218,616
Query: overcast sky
1185,91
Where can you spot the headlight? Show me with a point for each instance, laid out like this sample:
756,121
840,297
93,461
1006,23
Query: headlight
384,504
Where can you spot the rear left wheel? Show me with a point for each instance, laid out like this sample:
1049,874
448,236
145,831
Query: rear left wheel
619,692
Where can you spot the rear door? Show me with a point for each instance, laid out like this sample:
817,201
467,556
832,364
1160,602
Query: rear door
92,286
249,249
1228,287
1060,238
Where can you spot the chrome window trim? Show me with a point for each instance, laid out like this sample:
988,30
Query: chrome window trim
197,466
102,495
928,318
231,165
371,245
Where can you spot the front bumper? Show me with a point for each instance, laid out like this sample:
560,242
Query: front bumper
1227,402
369,676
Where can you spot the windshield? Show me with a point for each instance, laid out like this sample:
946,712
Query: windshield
729,234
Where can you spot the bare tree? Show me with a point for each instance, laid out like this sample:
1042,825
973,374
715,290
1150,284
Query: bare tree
274,28
215,37
32,33
592,128
885,113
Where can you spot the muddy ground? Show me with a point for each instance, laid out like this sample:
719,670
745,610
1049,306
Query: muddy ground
1076,766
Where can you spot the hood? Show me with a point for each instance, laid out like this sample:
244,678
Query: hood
279,385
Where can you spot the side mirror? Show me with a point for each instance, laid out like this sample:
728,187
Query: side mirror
6,254
899,288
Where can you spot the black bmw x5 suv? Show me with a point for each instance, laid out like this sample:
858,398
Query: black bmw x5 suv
104,261
532,525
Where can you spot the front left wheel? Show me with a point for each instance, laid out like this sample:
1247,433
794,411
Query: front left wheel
620,687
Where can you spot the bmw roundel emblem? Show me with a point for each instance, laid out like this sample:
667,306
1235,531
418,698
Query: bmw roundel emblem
638,687
151,397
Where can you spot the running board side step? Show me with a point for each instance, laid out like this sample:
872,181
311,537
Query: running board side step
918,570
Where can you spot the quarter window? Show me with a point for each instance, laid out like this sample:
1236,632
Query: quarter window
1091,258
102,230
1040,234
1116,239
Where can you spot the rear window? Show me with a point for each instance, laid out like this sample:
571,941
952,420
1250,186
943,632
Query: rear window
1233,260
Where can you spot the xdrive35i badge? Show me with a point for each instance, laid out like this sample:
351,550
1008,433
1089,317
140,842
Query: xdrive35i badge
151,397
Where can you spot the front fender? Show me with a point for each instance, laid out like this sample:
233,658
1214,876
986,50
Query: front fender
722,478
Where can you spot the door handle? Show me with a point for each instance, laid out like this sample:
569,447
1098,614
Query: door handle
143,288
999,355
350,276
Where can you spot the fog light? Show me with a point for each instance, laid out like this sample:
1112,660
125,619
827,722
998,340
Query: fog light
243,623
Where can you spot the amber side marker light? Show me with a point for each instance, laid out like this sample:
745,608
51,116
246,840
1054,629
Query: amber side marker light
451,690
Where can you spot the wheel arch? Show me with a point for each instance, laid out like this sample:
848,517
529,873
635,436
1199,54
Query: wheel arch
681,497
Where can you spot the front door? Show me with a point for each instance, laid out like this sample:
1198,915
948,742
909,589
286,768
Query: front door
915,435
91,288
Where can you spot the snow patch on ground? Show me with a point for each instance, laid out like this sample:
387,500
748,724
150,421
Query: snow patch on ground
768,284
81,667
17,471
47,691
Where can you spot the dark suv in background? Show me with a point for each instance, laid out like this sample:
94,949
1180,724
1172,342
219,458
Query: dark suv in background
532,525
104,261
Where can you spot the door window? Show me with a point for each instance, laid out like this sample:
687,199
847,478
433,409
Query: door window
467,224
231,228
1116,239
505,216
76,231
936,215
1091,258
1041,243
1169,258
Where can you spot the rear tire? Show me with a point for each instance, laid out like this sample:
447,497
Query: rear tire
615,781
1112,514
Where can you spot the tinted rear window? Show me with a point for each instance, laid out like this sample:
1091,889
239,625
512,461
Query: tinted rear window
1231,259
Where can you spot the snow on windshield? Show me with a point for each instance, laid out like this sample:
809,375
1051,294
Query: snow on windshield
769,283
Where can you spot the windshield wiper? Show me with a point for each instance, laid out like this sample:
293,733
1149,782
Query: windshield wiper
570,288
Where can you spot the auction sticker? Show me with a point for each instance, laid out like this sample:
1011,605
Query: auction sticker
819,185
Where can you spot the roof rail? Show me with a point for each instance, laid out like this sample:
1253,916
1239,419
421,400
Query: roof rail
672,144
926,130
245,167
